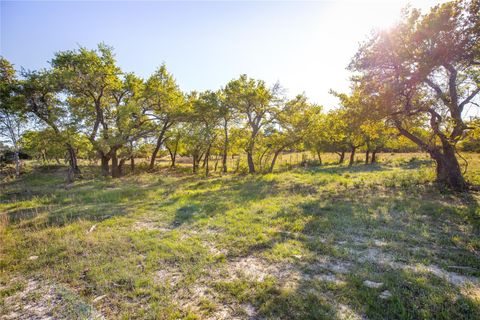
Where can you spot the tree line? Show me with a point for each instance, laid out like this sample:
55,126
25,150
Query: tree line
410,87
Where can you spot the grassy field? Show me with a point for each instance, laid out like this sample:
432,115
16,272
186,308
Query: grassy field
368,242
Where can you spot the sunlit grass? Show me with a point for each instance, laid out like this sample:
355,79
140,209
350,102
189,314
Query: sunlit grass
298,243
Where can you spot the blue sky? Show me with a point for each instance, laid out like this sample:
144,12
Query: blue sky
304,45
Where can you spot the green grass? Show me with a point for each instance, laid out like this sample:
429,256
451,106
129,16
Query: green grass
294,244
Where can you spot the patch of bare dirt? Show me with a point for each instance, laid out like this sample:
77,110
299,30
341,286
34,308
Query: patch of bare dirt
384,258
344,312
149,225
167,277
257,269
41,300
193,298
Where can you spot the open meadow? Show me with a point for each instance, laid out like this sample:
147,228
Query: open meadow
240,160
378,241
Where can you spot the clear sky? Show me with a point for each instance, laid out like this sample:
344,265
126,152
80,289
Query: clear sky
304,45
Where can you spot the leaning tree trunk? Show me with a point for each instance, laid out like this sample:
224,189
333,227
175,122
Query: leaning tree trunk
157,146
342,157
448,169
154,153
367,156
319,158
274,159
352,156
251,164
173,154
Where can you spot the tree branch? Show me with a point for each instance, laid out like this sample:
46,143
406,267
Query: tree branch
469,98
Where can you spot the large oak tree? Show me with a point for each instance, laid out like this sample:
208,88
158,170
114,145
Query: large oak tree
425,71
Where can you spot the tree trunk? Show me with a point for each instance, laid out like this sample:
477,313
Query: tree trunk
352,156
367,156
274,159
225,150
173,154
121,165
448,169
207,169
251,165
205,158
260,162
115,167
174,158
104,164
342,157
17,163
157,147
374,157
216,163
132,164
319,158
237,166
194,164
199,158
72,160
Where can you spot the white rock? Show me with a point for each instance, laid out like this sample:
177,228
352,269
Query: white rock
385,295
99,298
380,243
372,284
92,228
33,258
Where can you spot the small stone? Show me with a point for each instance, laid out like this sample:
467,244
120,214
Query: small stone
297,256
385,295
92,228
33,258
379,243
99,298
372,284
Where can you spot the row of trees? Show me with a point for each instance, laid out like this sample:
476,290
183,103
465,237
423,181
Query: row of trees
411,85
84,104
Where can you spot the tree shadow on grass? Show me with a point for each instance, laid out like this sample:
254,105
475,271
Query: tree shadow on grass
416,163
357,168
412,291
90,200
408,295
